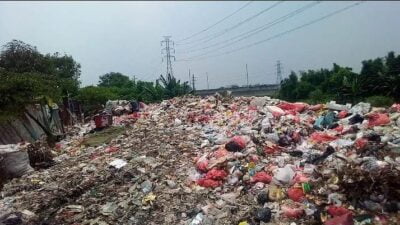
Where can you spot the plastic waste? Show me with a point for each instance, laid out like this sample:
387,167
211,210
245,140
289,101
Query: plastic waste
334,106
275,193
261,177
209,183
342,114
14,161
337,211
118,163
198,219
298,106
216,174
296,194
262,198
378,119
316,107
361,108
202,163
293,211
357,118
321,137
263,214
236,144
318,159
346,219
276,111
284,175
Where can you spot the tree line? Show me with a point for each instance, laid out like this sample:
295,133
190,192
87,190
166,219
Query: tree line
30,77
378,83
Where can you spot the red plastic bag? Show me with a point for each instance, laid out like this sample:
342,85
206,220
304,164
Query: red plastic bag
316,107
209,183
346,219
337,211
296,194
378,119
339,128
322,137
216,174
342,114
271,149
298,106
361,143
261,177
292,212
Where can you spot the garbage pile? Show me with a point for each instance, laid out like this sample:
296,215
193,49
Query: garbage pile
215,160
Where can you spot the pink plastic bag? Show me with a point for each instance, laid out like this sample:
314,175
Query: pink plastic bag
240,141
292,212
220,153
396,107
378,119
261,177
321,137
361,143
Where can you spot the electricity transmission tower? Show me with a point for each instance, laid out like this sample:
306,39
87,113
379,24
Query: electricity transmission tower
166,51
278,73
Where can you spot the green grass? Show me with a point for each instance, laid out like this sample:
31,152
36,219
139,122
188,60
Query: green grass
104,136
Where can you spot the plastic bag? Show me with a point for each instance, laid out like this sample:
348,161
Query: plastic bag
342,114
209,183
396,107
296,194
202,163
321,137
261,177
378,119
220,153
293,212
14,162
276,111
346,219
316,107
216,174
236,144
337,211
297,106
361,143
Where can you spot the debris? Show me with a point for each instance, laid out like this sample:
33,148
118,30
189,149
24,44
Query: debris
118,163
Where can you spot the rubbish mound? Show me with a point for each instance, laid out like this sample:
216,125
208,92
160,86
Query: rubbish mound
237,160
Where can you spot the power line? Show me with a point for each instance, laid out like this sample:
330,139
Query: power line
258,29
280,34
207,39
218,22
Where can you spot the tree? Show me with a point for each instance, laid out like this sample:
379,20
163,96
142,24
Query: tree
93,98
173,87
114,79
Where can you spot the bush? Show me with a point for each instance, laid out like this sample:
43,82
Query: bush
318,96
380,101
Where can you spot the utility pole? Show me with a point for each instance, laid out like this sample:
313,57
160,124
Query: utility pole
278,73
167,53
189,78
208,86
247,76
193,82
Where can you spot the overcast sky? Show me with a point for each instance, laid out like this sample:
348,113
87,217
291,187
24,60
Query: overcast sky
125,36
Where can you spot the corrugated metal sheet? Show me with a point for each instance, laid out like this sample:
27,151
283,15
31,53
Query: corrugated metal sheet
25,129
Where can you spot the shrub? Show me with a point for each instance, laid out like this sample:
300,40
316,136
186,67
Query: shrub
380,101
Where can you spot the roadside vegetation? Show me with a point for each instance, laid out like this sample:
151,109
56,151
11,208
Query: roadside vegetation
378,83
